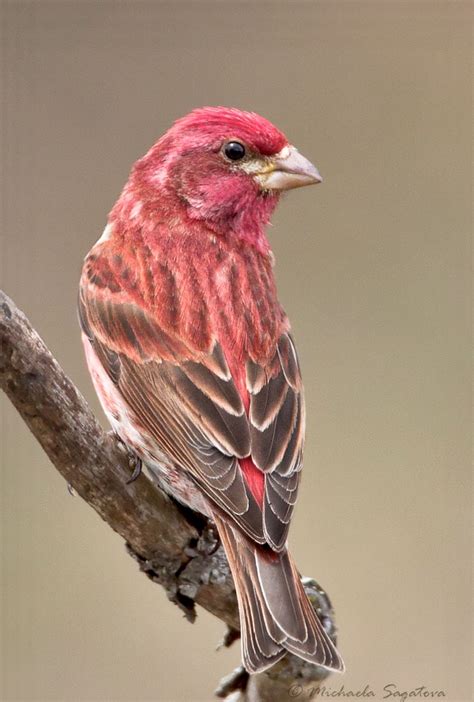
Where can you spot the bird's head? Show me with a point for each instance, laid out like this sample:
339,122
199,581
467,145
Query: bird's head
226,166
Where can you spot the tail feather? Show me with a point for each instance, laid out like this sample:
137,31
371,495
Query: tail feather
275,613
261,639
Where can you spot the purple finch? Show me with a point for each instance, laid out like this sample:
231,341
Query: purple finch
192,357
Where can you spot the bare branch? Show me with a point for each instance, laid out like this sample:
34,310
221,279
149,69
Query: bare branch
172,546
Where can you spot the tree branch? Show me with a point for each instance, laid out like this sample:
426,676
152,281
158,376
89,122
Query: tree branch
172,546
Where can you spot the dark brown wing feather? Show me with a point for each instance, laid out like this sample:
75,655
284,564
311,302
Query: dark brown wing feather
277,434
188,402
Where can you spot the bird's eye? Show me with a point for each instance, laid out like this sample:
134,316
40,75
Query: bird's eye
234,150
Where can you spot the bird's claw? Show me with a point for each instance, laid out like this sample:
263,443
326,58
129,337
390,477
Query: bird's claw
137,465
133,460
209,541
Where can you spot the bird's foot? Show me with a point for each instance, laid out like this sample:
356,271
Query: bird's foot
209,541
134,461
137,464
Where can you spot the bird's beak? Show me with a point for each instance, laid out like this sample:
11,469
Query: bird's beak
288,169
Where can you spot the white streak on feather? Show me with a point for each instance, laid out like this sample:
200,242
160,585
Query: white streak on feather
136,209
106,233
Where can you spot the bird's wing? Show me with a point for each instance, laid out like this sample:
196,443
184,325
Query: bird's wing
188,403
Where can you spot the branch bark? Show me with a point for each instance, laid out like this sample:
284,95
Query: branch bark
171,545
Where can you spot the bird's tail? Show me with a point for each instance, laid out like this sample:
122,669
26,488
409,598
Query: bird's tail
275,613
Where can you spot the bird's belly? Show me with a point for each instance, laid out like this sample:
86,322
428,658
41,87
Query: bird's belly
175,482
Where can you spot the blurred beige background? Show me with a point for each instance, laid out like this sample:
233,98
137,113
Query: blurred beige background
372,268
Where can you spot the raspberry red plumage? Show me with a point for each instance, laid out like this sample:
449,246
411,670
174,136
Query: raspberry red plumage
208,123
191,355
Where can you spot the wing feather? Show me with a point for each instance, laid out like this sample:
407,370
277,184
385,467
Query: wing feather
277,434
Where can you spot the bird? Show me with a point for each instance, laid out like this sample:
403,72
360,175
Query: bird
192,356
